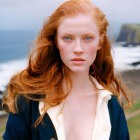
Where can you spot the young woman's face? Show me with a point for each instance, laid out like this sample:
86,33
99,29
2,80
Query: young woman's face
78,42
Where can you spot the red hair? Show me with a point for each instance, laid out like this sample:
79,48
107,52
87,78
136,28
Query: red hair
45,71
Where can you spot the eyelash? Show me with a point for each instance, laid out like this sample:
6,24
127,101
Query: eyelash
67,38
88,38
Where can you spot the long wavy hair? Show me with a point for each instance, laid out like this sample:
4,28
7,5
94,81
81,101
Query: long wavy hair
42,79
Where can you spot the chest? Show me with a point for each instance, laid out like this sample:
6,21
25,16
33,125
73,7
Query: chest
79,116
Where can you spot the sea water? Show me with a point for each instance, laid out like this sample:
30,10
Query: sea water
14,47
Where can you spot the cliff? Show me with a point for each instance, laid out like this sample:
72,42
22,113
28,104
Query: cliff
130,34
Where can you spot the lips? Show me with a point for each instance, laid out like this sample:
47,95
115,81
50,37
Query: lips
78,59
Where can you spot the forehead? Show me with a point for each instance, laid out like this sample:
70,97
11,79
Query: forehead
79,23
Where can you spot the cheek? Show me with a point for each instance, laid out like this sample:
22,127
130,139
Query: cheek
91,52
92,48
63,49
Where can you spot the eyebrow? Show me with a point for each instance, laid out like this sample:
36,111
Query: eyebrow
65,33
89,34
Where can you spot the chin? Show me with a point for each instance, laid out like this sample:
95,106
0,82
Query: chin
78,70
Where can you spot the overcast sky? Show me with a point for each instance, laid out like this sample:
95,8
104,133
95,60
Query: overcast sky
29,14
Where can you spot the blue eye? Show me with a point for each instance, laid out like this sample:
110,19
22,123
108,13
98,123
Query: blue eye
88,38
67,38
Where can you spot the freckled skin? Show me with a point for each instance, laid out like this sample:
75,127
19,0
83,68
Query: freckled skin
76,39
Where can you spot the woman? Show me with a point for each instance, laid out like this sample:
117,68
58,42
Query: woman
69,90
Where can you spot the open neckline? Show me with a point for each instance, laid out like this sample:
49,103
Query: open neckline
57,118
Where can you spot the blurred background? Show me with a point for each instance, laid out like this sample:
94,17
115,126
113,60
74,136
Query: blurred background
21,21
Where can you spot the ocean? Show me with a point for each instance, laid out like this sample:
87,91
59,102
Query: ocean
14,54
14,46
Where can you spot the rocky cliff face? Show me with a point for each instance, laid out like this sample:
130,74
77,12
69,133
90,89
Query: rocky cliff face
130,34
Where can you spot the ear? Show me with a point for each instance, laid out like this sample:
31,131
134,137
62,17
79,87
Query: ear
101,39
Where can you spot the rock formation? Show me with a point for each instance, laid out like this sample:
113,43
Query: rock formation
130,34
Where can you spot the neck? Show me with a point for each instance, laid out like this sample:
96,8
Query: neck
81,83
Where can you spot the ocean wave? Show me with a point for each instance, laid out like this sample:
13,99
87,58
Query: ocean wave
2,112
126,58
8,69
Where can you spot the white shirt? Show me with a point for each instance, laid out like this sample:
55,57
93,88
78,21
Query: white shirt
102,124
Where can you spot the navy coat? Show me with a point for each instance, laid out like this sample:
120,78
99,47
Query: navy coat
20,126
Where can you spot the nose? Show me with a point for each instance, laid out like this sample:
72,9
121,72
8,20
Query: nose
78,47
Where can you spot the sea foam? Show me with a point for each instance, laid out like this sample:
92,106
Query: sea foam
124,57
8,69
